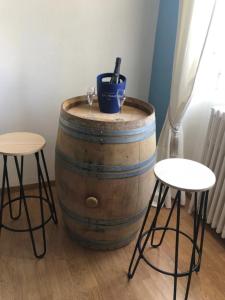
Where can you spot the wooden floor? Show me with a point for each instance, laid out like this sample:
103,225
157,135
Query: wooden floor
71,272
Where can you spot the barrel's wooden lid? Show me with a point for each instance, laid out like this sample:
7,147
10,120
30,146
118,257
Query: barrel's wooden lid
132,110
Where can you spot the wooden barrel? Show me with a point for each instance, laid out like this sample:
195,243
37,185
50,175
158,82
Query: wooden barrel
104,170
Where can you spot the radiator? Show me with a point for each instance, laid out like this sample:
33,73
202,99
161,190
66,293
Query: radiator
213,156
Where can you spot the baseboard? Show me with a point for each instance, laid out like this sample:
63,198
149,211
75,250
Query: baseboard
27,187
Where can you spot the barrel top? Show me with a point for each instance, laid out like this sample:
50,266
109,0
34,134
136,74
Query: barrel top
132,110
128,113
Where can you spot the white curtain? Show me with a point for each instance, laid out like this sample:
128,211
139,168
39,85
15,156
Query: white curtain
208,108
194,19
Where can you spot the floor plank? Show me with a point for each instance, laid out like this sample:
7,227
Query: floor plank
69,271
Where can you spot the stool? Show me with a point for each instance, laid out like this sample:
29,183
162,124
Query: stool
21,144
182,175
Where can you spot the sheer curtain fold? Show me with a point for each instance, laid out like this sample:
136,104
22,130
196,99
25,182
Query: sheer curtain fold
194,21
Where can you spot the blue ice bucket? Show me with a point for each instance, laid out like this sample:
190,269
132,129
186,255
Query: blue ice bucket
108,93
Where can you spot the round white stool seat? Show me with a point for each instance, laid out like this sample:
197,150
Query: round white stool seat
21,143
184,174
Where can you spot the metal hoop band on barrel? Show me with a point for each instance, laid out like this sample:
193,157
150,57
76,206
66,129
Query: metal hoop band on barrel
104,171
98,224
101,245
94,135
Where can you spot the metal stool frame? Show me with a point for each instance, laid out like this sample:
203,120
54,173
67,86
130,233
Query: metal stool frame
143,237
48,199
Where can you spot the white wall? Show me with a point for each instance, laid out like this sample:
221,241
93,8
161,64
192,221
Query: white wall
52,50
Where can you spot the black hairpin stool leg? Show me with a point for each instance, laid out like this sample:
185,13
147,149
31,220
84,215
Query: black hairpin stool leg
204,213
166,225
155,223
130,275
197,219
46,189
177,246
9,193
138,246
27,212
41,204
3,189
52,203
